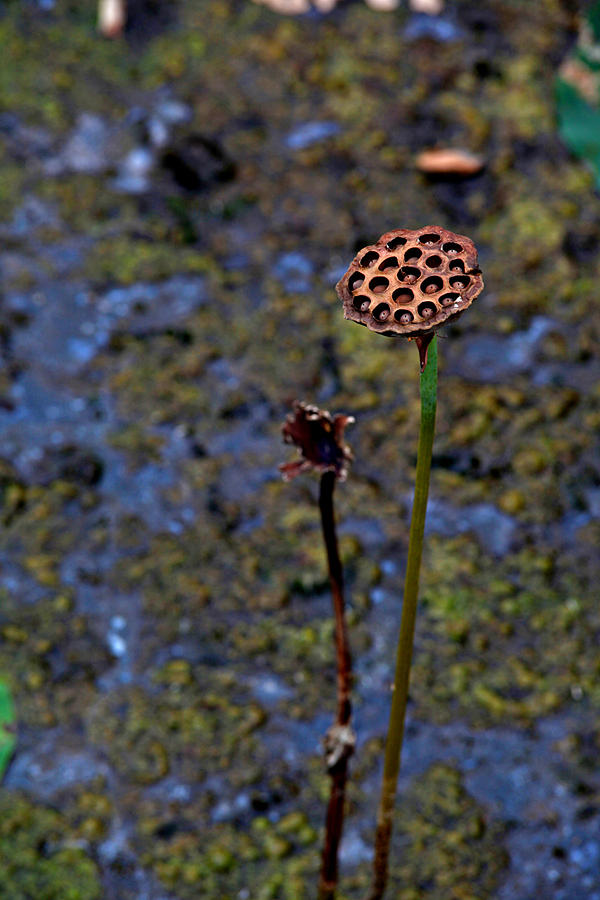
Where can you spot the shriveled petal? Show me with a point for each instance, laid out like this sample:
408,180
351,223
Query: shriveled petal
319,437
292,469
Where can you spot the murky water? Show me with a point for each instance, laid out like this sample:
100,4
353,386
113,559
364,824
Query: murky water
170,245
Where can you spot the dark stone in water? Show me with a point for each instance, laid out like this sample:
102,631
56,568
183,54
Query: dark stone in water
196,162
70,463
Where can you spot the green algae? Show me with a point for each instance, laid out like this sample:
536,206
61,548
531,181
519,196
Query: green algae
62,871
500,657
143,734
50,653
34,538
83,203
447,849
52,657
12,185
137,443
450,850
122,261
48,95
12,493
184,575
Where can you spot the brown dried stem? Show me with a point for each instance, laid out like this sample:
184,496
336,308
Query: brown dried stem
339,741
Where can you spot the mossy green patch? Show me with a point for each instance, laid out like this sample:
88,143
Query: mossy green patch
52,657
62,872
140,446
143,735
499,656
443,845
450,850
124,261
40,535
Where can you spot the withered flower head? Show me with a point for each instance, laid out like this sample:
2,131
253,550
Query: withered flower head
411,282
320,438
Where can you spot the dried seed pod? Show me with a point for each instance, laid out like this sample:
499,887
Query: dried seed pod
411,282
320,438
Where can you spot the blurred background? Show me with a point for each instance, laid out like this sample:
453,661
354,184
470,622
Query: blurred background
176,205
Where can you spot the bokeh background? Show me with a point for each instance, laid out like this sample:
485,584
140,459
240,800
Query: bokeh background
175,207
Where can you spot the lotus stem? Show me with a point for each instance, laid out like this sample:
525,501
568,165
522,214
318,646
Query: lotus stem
393,747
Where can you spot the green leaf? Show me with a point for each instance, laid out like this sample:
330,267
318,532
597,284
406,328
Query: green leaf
579,125
593,17
7,721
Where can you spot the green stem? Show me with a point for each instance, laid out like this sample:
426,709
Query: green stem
393,747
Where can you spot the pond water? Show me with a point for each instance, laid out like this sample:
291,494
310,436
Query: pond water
175,208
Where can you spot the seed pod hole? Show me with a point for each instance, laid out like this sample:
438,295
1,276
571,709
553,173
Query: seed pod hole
355,280
429,238
390,263
369,259
432,285
361,303
451,248
395,243
412,254
427,310
404,316
381,312
409,274
460,282
433,262
448,299
457,265
378,285
403,295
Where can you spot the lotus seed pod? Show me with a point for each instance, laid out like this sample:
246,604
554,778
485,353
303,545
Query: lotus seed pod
411,282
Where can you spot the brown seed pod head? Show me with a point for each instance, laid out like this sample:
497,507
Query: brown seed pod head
411,282
320,438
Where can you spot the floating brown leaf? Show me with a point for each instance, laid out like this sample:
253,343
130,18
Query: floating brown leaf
448,161
112,15
430,7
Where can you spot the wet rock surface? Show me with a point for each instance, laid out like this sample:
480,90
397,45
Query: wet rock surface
169,249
